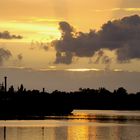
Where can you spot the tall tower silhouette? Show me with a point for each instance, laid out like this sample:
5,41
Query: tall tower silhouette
5,82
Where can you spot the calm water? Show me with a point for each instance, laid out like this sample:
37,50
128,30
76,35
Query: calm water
82,125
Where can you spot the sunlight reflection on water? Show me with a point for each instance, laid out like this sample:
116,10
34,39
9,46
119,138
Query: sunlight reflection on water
82,125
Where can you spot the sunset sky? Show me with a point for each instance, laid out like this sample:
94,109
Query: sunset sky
87,36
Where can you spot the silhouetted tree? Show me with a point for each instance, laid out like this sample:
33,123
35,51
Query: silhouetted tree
1,87
11,89
103,91
21,88
35,103
121,91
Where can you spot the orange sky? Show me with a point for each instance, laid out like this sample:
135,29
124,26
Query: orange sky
37,21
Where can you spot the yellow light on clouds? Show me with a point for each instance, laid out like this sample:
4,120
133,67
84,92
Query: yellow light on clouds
31,31
83,70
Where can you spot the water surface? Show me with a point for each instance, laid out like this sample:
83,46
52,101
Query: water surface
82,125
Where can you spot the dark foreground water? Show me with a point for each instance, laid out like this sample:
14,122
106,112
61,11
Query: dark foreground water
82,125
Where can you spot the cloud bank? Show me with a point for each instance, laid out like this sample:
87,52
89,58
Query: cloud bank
7,35
121,36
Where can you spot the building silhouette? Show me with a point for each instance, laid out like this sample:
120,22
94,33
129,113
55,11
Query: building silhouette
3,87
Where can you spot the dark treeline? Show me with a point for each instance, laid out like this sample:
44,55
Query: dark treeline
35,103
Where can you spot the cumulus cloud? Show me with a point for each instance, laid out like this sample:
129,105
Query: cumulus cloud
122,36
7,35
4,55
74,43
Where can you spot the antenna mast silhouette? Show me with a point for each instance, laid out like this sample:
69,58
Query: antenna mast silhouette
5,86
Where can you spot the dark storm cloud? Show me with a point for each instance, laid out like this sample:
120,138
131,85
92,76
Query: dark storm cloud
74,44
4,55
7,35
122,36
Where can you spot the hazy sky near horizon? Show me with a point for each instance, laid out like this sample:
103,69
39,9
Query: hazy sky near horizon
59,35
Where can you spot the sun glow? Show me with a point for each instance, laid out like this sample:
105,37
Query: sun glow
78,132
83,70
32,31
117,10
